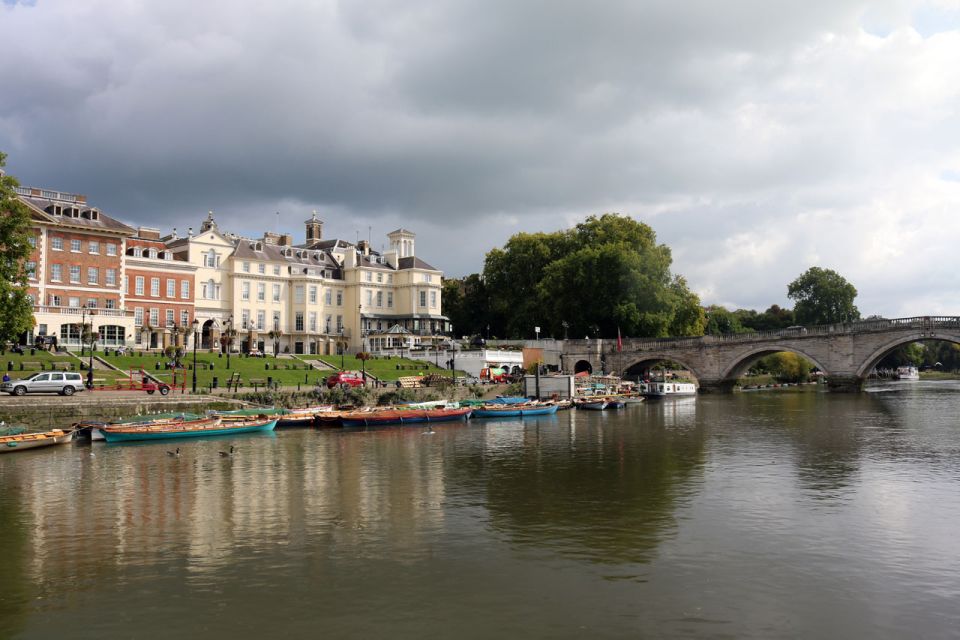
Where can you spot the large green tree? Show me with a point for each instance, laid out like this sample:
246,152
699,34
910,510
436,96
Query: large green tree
512,276
606,274
823,296
16,312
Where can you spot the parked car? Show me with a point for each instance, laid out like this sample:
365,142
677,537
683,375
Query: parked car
345,379
65,383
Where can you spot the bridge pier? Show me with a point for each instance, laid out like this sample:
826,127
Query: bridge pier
845,384
716,386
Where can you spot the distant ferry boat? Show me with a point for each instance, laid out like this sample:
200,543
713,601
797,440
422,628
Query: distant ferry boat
908,373
662,389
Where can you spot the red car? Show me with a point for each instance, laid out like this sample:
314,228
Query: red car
345,379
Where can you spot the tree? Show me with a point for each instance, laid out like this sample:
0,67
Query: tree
722,322
822,296
16,307
772,319
513,275
607,274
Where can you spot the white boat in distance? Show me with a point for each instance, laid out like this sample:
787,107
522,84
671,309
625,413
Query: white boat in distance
663,389
908,373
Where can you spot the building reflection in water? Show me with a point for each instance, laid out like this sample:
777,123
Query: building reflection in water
136,506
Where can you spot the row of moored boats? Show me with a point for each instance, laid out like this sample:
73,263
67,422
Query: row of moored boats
188,425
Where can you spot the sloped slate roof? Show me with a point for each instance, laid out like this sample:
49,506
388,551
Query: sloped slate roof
414,262
102,223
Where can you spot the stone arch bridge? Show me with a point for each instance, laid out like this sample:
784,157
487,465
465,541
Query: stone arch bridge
846,353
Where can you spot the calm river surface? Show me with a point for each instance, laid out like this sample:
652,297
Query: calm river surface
758,515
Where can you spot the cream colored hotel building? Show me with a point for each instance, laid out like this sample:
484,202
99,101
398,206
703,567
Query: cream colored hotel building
319,296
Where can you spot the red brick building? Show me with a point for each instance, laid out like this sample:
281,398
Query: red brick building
76,269
159,290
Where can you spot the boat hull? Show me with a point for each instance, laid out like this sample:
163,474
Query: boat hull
380,418
223,429
593,406
22,442
515,412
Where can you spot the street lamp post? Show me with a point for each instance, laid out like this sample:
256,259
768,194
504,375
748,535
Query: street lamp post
196,329
360,325
90,362
83,327
453,363
342,348
226,342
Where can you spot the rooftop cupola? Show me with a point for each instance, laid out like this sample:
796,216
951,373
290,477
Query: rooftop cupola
209,223
314,228
402,242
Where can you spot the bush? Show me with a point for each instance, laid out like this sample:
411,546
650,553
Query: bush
397,397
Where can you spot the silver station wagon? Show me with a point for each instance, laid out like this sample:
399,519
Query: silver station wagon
63,382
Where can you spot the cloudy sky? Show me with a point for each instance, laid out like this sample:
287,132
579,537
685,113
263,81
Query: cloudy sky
757,138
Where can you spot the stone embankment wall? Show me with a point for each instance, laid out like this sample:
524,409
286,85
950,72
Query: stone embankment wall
57,411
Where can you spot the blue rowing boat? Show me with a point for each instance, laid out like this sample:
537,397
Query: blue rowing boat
514,411
186,429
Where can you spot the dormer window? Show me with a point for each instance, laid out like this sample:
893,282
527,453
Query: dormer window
137,252
258,246
168,255
151,253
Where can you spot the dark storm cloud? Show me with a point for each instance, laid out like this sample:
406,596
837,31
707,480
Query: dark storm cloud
721,124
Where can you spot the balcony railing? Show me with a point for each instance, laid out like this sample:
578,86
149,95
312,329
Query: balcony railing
81,311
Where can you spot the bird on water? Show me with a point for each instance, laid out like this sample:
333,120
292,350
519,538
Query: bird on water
227,454
174,454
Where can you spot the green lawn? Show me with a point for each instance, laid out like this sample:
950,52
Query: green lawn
383,368
39,360
290,371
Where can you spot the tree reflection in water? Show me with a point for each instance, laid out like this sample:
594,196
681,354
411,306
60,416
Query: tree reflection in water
606,488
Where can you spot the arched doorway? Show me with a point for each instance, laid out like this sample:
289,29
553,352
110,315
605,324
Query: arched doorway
581,366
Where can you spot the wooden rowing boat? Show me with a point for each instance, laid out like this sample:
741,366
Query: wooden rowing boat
515,410
214,426
377,417
21,441
301,417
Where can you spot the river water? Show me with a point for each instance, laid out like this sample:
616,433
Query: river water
757,515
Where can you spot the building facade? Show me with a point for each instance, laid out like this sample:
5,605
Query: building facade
76,270
322,296
159,287
138,288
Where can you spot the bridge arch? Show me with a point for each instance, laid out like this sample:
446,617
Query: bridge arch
739,365
878,354
654,357
582,365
